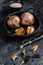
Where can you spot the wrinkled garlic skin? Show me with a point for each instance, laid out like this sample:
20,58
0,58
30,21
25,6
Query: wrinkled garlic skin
27,18
23,53
30,30
34,48
14,57
20,31
22,62
13,21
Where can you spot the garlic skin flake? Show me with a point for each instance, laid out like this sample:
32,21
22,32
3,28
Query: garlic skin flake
34,48
14,57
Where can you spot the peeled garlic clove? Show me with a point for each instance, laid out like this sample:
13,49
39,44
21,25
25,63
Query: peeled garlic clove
20,31
30,29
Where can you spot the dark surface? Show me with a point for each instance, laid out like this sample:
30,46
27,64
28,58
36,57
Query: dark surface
9,43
